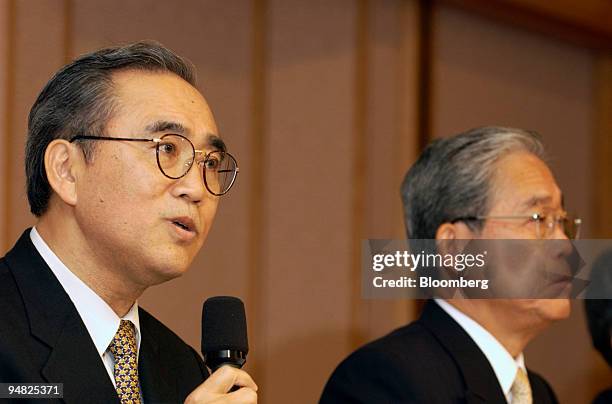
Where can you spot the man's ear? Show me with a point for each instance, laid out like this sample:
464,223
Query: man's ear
62,161
451,237
454,231
446,231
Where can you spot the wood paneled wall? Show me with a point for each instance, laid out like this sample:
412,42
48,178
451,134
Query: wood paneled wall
322,104
318,101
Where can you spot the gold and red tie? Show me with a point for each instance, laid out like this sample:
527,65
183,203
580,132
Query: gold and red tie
124,349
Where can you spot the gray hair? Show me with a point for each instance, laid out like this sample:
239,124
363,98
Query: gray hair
79,100
452,177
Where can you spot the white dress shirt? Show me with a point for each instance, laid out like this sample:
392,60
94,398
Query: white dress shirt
100,320
503,364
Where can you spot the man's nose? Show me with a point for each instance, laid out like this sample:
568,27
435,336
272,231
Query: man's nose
191,186
560,241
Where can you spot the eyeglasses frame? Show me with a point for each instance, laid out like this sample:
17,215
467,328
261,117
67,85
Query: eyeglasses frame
535,217
158,141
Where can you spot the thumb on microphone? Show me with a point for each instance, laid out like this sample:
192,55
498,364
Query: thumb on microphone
218,385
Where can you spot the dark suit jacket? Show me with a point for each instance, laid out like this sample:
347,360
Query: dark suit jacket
605,397
43,340
431,361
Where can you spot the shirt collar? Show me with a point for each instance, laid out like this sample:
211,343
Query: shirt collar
503,364
100,320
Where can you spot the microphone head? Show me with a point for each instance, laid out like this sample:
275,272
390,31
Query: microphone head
224,327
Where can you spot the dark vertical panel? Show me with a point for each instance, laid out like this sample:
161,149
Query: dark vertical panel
311,142
68,30
258,192
425,62
38,51
602,163
360,163
409,139
8,95
390,139
599,375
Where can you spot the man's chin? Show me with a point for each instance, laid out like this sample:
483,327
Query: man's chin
165,276
164,273
554,309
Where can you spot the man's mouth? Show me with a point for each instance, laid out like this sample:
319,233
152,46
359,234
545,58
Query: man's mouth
557,286
184,223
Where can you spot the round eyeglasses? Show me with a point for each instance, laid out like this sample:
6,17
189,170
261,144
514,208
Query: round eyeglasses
176,154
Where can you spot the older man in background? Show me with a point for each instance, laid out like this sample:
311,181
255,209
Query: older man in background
487,183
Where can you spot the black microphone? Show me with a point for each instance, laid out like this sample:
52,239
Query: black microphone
224,332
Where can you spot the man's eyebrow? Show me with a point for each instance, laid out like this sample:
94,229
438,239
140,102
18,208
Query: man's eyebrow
216,142
175,127
166,126
536,200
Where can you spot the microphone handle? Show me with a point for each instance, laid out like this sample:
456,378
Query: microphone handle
233,358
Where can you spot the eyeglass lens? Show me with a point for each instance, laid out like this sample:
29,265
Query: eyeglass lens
569,224
175,156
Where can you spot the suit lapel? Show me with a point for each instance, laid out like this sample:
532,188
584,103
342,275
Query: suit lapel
75,362
55,322
540,390
480,380
153,377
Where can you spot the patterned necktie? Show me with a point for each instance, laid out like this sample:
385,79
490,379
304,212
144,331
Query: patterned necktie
521,391
124,349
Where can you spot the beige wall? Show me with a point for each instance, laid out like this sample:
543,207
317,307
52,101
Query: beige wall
286,238
319,100
5,96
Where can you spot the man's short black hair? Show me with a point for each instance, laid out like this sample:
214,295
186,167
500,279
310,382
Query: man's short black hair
79,100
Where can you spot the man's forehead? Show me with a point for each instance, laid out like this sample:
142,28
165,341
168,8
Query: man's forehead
543,199
160,102
525,181
161,93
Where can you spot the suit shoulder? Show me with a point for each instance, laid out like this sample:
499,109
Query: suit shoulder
605,397
6,277
399,367
541,389
11,303
157,328
170,343
414,341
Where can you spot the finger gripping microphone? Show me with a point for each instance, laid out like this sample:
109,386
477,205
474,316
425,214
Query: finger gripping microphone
224,332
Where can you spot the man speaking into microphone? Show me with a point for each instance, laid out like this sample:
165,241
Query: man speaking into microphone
125,169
